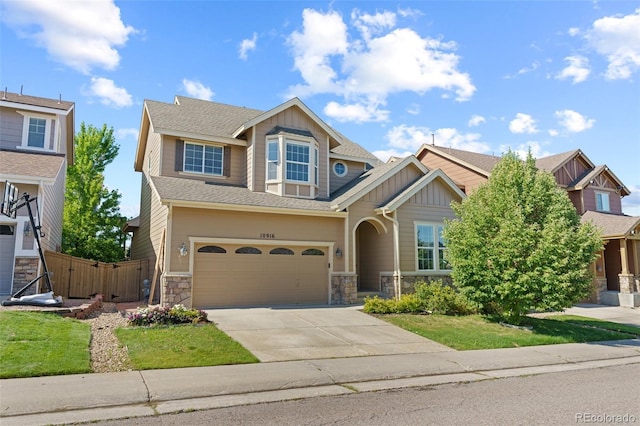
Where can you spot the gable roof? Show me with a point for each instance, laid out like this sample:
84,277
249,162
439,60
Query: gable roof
410,191
553,162
585,181
481,163
370,179
612,226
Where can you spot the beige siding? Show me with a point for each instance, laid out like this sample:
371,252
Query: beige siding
296,119
237,168
52,211
250,159
204,223
354,169
464,177
11,124
431,204
153,219
151,163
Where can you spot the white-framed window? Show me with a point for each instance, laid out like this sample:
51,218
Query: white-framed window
315,164
36,131
430,248
340,169
273,159
204,159
297,162
602,202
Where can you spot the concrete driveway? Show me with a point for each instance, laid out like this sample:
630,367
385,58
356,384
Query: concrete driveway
630,316
295,333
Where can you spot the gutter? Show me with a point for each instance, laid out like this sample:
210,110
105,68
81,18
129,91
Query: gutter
397,275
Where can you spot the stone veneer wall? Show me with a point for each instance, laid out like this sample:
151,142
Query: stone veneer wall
25,270
176,289
344,289
408,283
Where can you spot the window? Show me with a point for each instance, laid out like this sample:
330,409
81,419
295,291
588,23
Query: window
248,250
211,249
339,168
602,202
297,167
272,160
315,163
205,159
282,250
37,130
427,255
313,252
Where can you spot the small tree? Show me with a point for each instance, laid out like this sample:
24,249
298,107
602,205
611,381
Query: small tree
92,221
518,244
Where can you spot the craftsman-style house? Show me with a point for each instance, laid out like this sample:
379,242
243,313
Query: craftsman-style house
595,191
244,207
36,145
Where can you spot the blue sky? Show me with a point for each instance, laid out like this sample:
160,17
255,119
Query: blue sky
485,76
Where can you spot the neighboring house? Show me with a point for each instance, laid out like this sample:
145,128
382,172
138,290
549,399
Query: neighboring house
242,207
595,191
36,145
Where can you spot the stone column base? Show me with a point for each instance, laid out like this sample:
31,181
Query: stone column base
627,283
176,290
344,289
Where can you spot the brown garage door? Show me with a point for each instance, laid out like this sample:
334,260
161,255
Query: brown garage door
247,275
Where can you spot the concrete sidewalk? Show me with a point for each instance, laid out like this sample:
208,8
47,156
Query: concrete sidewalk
92,397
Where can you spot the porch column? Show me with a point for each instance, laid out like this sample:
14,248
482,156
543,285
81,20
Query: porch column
624,277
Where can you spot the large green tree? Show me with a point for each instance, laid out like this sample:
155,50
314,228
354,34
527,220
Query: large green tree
518,244
92,221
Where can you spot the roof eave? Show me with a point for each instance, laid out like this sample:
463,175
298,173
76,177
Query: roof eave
251,208
436,150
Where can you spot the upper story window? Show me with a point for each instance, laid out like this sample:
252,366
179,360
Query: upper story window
602,202
430,257
292,160
205,159
340,168
36,131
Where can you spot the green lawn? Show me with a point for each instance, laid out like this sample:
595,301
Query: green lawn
42,344
181,346
479,332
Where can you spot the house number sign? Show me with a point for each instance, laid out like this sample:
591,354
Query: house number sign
268,236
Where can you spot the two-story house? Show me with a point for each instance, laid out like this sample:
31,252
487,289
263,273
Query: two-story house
36,145
595,191
244,207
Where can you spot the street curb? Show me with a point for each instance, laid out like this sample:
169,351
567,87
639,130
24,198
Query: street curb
154,408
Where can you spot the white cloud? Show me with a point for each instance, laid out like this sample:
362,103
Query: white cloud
534,66
127,133
573,122
618,39
573,31
109,94
553,132
523,149
366,70
196,89
411,138
578,69
79,34
523,123
358,113
384,155
248,45
476,120
631,203
414,109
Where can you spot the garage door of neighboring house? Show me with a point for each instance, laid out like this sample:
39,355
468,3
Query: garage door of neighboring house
259,275
7,242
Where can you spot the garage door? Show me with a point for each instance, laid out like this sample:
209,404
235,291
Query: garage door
259,275
7,241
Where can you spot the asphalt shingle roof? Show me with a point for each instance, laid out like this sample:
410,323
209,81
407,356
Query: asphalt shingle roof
552,162
44,166
612,225
35,101
481,161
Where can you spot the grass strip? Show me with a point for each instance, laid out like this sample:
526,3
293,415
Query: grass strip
42,344
180,346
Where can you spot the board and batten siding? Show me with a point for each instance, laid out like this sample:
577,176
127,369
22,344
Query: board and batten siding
570,171
293,118
432,205
205,223
467,178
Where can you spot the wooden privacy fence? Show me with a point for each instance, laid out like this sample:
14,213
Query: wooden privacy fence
77,278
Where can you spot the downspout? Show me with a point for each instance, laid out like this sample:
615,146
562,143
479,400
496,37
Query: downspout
397,276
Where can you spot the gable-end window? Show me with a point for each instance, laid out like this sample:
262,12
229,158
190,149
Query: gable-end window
339,168
428,257
205,159
602,202
273,158
298,160
36,131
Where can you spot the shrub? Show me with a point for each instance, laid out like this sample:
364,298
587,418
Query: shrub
433,297
157,315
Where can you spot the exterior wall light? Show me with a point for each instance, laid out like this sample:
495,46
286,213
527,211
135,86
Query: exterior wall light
183,250
27,229
339,252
